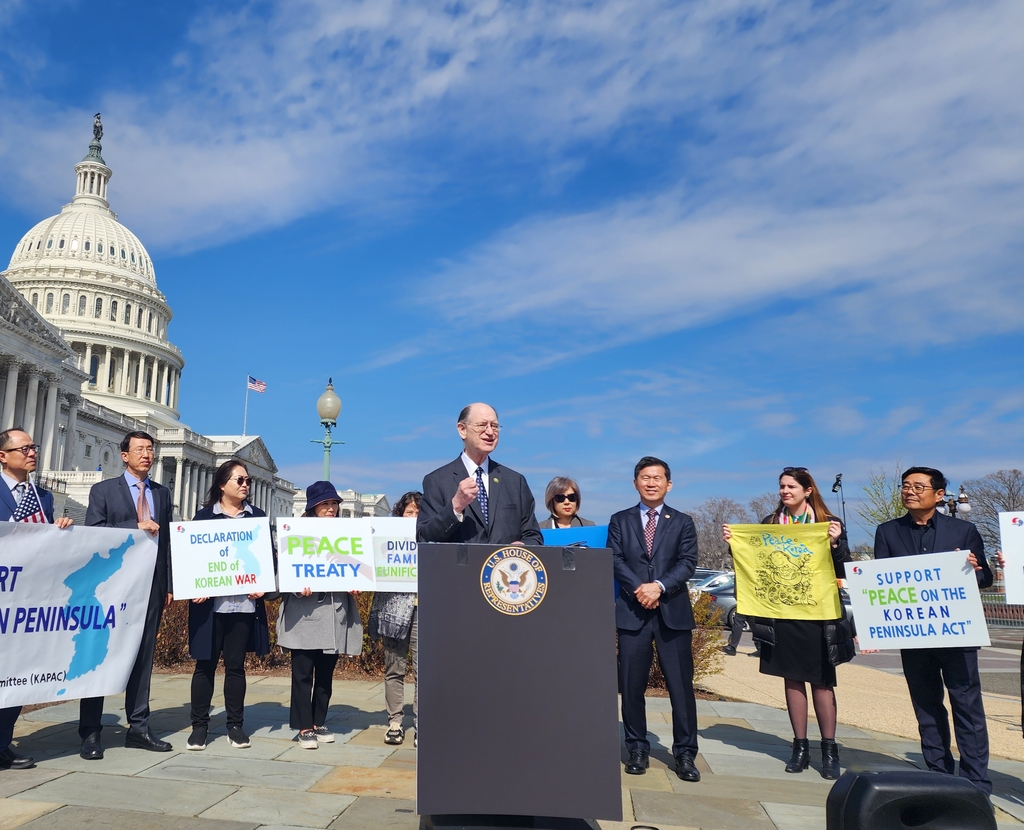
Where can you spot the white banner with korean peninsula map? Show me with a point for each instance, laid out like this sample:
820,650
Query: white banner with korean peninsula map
72,609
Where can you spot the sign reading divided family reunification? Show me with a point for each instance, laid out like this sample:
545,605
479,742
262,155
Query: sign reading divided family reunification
926,601
72,610
1011,537
222,558
325,554
395,554
785,572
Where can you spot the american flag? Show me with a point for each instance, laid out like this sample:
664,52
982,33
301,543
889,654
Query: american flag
257,385
29,509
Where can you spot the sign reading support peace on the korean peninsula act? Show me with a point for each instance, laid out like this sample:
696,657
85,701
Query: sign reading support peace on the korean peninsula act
1011,537
222,558
785,572
325,554
72,610
925,601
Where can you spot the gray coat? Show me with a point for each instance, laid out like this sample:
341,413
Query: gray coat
391,615
322,621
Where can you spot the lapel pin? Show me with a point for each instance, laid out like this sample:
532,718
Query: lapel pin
495,479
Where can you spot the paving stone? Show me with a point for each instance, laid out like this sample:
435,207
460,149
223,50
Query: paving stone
794,789
33,730
718,813
730,709
401,759
746,734
367,811
68,713
1012,806
15,813
373,736
76,818
180,798
754,767
238,771
380,782
795,816
217,744
16,781
653,779
761,750
339,755
299,809
267,720
117,760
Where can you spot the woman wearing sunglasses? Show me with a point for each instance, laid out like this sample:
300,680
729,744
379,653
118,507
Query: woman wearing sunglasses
562,498
796,650
228,625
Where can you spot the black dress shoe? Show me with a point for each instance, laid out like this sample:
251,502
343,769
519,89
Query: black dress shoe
145,740
8,760
686,769
730,650
92,750
638,763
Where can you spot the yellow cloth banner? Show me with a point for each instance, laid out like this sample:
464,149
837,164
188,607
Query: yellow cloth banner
785,572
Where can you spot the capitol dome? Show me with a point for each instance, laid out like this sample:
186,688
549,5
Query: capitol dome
90,276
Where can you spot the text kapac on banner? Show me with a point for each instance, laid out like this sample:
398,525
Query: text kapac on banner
1011,537
925,601
785,572
219,558
395,554
325,554
72,610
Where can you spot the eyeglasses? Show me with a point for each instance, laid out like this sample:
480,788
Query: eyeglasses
572,498
917,488
242,481
794,469
28,449
492,425
146,451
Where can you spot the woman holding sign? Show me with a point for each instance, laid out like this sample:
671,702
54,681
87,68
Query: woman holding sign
317,627
796,650
228,625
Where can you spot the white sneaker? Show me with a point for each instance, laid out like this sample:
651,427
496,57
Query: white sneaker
307,739
395,735
324,735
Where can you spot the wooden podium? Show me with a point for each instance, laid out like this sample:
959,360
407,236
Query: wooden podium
518,706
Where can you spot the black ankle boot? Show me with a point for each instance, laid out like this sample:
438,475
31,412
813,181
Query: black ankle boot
801,756
829,759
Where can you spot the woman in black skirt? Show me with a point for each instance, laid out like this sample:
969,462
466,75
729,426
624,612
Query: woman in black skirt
799,654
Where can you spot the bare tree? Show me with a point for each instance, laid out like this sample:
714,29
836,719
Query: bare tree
764,505
709,516
999,492
861,552
883,502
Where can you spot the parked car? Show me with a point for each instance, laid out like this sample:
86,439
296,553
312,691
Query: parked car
701,575
723,597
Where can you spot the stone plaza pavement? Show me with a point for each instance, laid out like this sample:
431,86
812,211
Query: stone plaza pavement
359,782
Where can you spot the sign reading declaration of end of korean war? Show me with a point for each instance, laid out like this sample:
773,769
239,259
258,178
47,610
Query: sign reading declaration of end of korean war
325,554
1011,537
222,558
395,554
72,609
926,601
785,572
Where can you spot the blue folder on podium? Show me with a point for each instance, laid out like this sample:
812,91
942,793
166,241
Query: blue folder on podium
592,536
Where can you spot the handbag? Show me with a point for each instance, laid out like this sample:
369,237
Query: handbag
839,636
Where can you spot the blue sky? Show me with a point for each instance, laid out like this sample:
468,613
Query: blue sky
737,235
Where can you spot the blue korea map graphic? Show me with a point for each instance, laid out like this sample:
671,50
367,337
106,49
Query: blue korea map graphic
91,644
247,557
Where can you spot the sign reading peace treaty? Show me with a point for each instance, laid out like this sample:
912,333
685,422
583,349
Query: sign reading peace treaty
785,572
926,601
1011,536
222,558
325,554
72,609
394,553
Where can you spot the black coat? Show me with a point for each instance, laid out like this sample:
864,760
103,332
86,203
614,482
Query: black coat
895,538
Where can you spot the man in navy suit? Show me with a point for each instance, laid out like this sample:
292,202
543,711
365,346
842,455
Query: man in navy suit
924,530
18,456
474,498
133,500
654,550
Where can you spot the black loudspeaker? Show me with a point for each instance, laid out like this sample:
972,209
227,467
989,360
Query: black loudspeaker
898,799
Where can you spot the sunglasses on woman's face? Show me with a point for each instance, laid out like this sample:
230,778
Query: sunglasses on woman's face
572,498
241,481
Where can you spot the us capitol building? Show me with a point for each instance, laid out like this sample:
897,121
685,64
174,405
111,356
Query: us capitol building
84,340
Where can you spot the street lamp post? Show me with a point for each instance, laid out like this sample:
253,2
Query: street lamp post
328,407
957,504
837,487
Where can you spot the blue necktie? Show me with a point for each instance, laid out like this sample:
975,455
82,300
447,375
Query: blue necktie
481,492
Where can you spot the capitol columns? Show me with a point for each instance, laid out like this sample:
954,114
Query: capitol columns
71,436
50,422
177,483
11,395
31,399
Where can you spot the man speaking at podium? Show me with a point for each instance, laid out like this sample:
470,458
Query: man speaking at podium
474,498
654,550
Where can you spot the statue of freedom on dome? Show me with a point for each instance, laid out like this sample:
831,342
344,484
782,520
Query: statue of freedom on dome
97,127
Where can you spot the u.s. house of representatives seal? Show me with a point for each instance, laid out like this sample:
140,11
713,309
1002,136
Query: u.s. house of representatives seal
514,581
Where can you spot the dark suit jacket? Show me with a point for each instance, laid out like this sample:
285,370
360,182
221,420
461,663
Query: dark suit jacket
510,509
895,538
8,505
673,561
111,505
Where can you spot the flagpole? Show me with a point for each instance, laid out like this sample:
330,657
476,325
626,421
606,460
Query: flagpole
245,416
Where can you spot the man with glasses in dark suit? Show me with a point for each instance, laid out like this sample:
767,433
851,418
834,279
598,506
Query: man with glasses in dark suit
132,500
925,530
